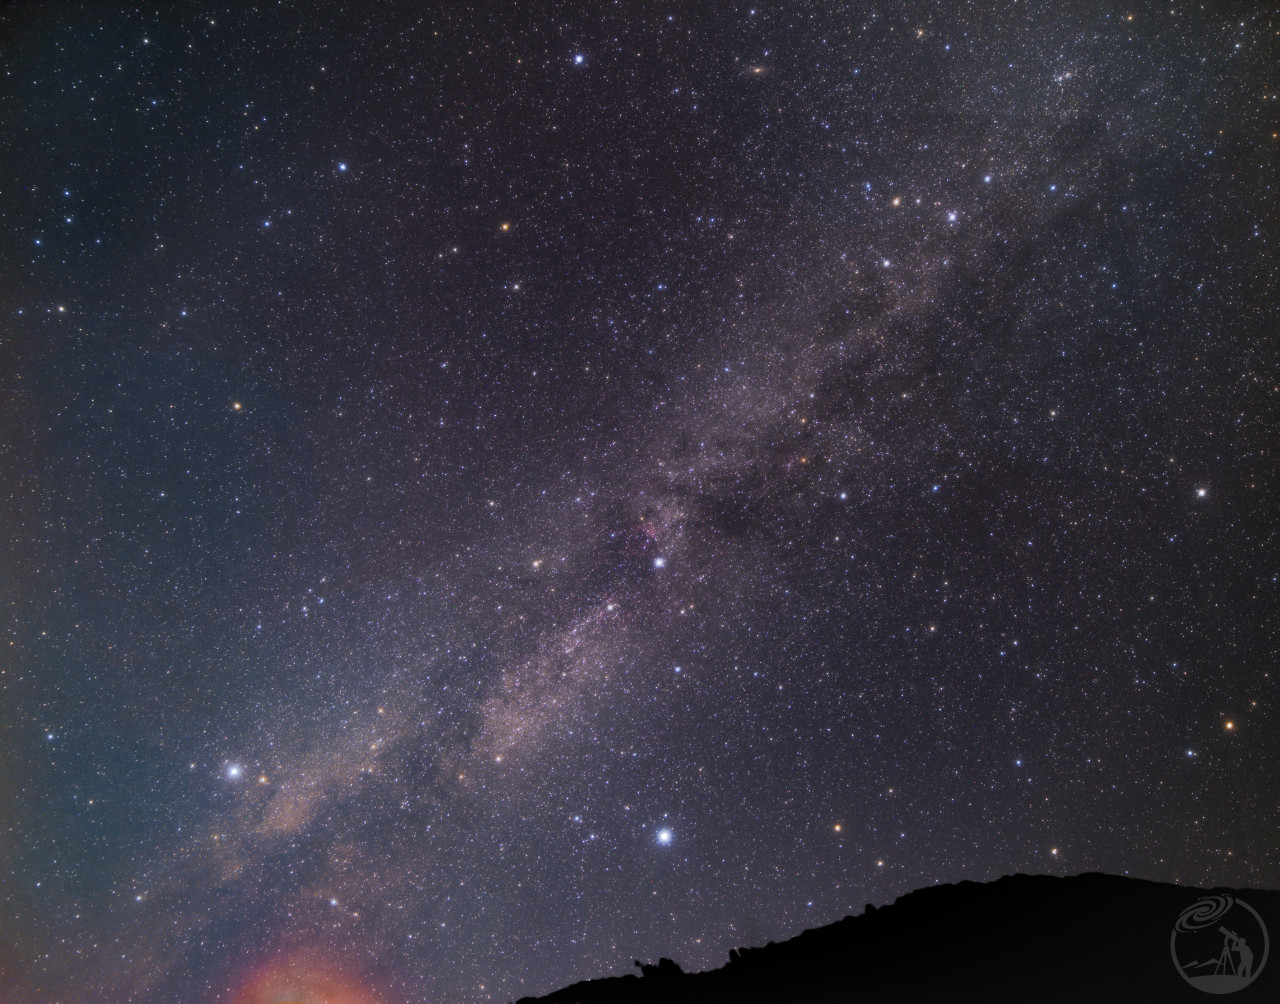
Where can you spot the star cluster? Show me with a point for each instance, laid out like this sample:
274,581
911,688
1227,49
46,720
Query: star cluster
489,498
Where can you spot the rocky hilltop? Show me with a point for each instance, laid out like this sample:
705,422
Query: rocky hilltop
1096,938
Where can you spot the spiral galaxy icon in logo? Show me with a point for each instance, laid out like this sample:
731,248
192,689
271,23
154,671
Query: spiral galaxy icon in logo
1219,944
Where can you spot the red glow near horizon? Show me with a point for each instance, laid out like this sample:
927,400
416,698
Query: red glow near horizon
302,977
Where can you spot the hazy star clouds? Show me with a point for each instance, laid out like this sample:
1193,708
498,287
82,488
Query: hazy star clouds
491,501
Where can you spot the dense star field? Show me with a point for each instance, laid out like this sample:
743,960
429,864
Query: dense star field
492,494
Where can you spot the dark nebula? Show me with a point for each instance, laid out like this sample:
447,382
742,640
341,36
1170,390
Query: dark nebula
493,494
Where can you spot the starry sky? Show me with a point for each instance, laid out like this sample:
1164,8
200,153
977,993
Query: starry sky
492,493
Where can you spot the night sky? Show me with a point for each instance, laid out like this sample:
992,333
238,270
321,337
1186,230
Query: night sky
494,493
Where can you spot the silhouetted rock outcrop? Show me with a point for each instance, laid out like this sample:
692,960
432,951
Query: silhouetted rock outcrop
665,970
1094,938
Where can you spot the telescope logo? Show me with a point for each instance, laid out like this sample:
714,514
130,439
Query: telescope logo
1219,944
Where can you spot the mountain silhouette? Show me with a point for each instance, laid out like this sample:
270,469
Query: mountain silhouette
1024,938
